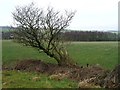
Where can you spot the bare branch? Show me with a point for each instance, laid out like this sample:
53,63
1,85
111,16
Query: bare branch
42,30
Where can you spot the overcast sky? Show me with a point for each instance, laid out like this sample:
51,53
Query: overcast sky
91,14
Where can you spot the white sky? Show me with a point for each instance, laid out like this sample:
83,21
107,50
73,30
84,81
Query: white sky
91,14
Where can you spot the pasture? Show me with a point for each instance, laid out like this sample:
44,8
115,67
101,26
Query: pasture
103,53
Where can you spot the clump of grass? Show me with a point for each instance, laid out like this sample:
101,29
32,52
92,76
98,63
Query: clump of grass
85,84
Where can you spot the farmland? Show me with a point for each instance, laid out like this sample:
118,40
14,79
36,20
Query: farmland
103,53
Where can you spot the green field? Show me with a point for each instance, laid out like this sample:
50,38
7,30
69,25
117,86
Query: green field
13,52
103,53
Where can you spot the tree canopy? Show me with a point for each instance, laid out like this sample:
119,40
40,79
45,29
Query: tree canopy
42,30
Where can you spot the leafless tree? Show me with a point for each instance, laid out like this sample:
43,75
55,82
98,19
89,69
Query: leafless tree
42,30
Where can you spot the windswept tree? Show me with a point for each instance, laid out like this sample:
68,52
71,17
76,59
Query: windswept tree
42,30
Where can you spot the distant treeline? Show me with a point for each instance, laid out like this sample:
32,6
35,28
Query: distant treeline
79,36
7,35
90,36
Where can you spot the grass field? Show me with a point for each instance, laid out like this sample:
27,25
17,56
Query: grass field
103,53
13,52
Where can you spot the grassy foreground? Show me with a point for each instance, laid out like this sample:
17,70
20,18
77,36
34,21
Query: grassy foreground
103,53
17,79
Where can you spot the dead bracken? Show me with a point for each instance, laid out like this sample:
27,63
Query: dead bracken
93,75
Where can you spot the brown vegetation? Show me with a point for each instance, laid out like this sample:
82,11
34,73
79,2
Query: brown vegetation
92,76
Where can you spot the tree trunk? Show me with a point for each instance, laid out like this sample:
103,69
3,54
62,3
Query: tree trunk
65,61
62,59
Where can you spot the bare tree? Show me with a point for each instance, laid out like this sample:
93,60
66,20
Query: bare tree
42,30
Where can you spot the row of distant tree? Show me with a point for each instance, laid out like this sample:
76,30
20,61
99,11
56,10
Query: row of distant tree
7,35
79,36
90,36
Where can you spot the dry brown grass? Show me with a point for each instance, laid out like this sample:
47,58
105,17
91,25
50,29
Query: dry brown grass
85,84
